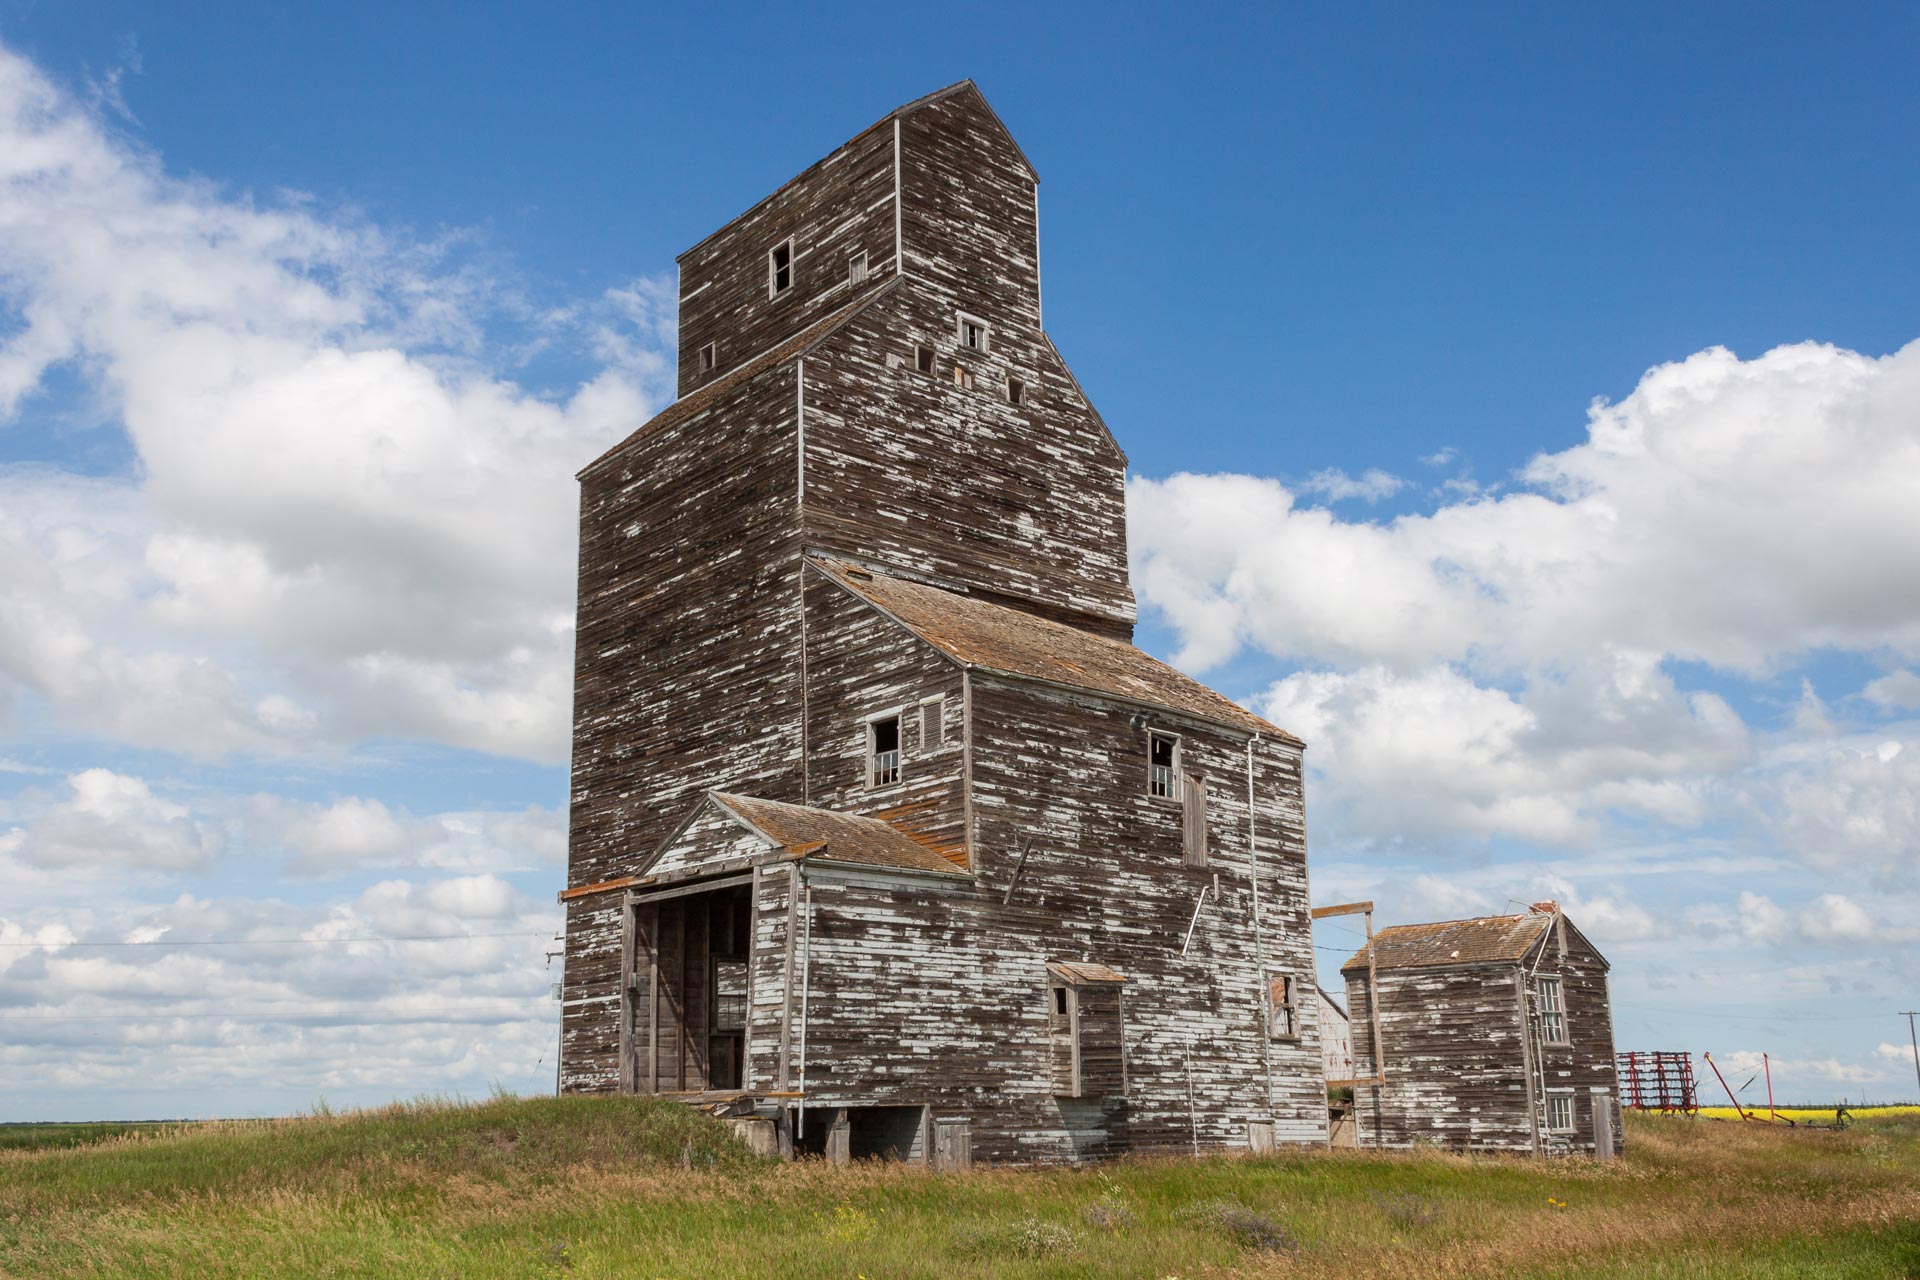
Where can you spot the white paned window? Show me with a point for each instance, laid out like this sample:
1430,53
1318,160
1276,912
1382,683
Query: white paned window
973,332
1560,1112
1162,752
1553,1011
883,751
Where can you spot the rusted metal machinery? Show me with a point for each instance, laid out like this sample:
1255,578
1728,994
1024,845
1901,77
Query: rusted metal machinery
1660,1080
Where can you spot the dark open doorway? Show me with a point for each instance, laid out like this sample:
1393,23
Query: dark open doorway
690,992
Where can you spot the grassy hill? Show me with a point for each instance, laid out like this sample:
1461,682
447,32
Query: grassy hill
629,1188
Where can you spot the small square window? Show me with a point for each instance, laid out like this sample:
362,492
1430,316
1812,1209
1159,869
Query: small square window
780,268
923,359
707,358
1161,751
962,376
857,268
972,332
883,751
1016,391
1560,1112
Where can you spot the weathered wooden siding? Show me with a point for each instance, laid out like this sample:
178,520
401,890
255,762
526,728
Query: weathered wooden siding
1022,503
686,661
710,657
1467,1064
970,212
1455,1065
1587,1062
861,663
841,206
1068,774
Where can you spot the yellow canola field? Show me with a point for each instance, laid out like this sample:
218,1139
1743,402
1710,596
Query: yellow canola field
1815,1115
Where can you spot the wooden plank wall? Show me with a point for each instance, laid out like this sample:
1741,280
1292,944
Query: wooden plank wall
1455,1069
860,662
1588,1061
687,671
841,206
689,676
1457,1066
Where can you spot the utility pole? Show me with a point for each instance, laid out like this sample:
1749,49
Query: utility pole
1910,1015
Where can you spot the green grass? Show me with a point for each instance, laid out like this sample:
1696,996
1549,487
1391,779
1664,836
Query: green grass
629,1188
44,1137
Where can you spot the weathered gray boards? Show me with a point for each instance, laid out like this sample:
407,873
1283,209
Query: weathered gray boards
879,819
1498,1035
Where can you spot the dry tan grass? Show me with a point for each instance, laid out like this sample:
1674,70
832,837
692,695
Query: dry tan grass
503,1196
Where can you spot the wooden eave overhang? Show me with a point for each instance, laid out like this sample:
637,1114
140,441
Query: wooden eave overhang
1080,973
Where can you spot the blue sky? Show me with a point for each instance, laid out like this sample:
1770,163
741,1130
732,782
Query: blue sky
1361,275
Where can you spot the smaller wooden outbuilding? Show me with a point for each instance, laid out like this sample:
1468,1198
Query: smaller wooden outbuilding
1497,1035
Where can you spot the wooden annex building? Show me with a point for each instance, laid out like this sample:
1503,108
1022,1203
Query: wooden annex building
1498,1034
882,828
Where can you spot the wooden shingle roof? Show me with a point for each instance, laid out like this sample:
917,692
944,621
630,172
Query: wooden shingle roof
1007,641
1485,940
834,837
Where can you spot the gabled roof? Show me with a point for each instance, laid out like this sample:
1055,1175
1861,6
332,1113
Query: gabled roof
1452,943
792,349
833,837
1007,641
906,109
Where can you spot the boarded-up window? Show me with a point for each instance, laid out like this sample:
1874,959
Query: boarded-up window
933,723
1085,1026
1553,1012
1193,818
857,268
1281,1014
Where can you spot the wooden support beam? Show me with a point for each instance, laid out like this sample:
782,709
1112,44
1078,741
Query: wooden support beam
1341,909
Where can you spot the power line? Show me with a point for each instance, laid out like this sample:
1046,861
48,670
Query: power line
281,942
